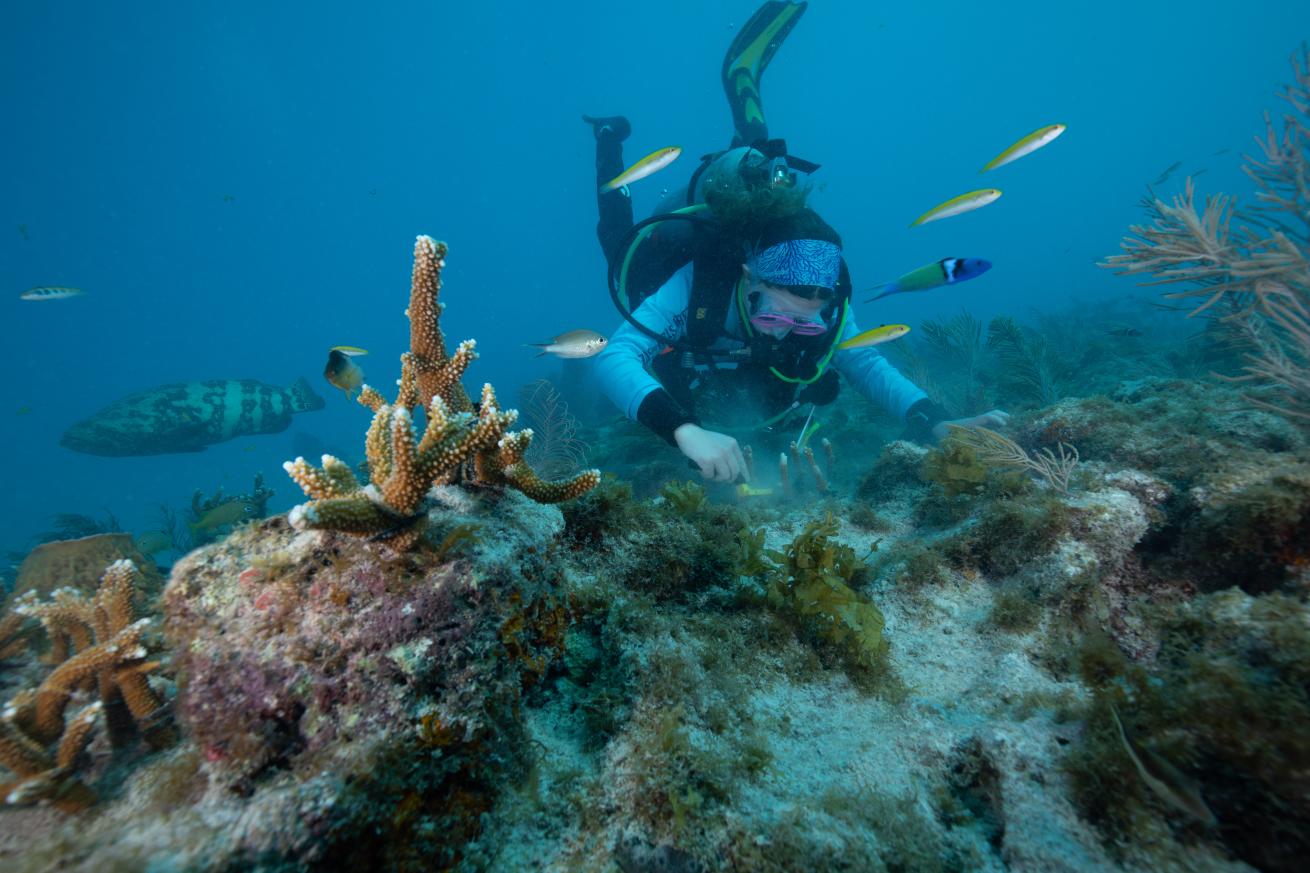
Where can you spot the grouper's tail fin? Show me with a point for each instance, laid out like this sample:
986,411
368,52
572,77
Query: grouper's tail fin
303,398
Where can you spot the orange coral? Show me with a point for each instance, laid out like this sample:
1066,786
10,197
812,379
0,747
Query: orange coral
457,443
100,642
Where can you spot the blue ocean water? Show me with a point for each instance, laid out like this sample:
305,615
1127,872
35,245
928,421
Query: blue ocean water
237,188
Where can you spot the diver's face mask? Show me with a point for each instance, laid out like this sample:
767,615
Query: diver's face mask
777,312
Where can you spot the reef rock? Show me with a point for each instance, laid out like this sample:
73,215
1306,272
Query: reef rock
187,416
79,564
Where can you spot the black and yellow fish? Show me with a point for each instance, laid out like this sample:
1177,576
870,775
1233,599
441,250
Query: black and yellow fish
343,372
188,416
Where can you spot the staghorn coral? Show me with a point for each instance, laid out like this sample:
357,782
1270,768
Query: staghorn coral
457,444
98,644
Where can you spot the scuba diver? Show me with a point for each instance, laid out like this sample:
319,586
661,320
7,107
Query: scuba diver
735,295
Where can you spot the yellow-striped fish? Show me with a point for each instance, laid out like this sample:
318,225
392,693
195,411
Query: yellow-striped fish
50,292
1042,136
352,351
875,337
652,163
958,205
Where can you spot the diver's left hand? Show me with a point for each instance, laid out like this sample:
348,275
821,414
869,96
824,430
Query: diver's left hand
994,419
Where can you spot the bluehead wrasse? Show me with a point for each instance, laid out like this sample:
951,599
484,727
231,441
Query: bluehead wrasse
876,336
352,351
1042,136
24,410
574,344
744,490
652,163
1218,153
1164,779
958,205
947,271
50,292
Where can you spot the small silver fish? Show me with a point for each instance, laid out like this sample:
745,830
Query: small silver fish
50,292
574,344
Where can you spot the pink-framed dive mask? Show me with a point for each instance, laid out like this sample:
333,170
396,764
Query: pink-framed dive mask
770,321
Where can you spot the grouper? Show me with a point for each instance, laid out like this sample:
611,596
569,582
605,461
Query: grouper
187,416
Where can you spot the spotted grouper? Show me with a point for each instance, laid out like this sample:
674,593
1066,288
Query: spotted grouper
188,416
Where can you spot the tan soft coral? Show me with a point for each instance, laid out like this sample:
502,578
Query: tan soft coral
458,443
98,645
1251,266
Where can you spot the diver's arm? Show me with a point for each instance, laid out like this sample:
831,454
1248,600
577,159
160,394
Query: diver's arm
877,379
621,367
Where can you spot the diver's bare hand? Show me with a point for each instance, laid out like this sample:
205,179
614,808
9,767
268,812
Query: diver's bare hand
717,455
994,419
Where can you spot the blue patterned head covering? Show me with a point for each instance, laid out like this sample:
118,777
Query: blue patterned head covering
808,262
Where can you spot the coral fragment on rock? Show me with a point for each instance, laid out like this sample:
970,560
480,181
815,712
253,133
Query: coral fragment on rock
458,443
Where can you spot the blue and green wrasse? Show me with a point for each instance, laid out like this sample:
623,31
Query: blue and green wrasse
959,205
875,337
1040,137
652,163
947,271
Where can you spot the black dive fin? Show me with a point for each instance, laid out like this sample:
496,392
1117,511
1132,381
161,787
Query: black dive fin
747,57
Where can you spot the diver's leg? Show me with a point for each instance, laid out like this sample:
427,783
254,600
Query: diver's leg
744,64
615,207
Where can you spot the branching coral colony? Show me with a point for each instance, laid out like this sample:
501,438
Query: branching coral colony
97,645
1256,274
458,444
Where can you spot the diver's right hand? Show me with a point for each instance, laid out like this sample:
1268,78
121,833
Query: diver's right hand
718,455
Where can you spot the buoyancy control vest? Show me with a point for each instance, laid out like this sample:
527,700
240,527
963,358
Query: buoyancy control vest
655,249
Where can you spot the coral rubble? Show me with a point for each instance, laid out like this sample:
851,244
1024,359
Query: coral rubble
456,444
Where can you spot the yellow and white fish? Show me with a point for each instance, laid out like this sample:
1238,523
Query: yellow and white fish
1042,136
652,163
959,205
50,292
875,337
352,351
574,344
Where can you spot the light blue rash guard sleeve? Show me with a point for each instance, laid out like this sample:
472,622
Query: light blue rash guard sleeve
621,367
875,377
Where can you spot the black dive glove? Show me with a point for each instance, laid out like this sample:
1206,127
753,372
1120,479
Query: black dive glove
921,418
662,414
